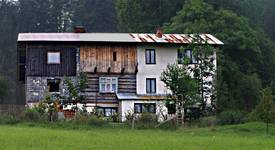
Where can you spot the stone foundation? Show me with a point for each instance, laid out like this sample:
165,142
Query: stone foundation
36,88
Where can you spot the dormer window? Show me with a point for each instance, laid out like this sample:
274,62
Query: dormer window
53,58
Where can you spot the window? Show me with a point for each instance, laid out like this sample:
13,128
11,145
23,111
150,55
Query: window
150,85
150,56
186,54
53,85
53,57
114,56
145,108
107,112
171,106
108,84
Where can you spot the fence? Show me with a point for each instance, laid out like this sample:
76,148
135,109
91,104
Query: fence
7,109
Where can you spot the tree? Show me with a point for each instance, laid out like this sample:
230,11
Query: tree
75,89
180,82
265,110
8,35
204,69
144,15
247,51
95,15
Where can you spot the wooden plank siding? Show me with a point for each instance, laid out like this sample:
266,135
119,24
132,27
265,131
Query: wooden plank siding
126,84
101,58
37,61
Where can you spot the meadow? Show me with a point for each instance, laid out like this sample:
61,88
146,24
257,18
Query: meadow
248,136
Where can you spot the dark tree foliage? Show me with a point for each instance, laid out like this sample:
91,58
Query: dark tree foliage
95,15
8,35
265,110
145,15
244,55
44,15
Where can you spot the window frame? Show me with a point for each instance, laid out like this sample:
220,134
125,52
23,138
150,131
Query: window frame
112,112
150,61
183,54
111,84
146,106
150,89
53,52
51,80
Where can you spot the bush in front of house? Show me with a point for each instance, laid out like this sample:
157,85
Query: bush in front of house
229,117
89,119
36,113
209,121
9,119
146,121
97,121
168,124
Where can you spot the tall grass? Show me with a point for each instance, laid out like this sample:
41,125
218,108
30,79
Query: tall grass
244,137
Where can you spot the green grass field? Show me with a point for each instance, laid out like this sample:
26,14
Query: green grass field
247,136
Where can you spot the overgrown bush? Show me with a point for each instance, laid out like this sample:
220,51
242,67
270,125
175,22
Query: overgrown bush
146,120
97,121
9,119
81,119
115,117
208,121
169,124
229,117
265,110
35,114
129,117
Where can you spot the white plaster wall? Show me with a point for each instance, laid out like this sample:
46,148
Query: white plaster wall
164,55
127,106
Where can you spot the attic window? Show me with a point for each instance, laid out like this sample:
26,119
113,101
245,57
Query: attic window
53,58
53,85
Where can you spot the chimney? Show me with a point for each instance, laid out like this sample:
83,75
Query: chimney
159,33
79,29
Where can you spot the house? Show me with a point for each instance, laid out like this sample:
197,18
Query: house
123,69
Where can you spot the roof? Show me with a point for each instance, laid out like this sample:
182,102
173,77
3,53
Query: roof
116,37
131,96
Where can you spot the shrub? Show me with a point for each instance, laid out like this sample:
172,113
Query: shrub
169,124
231,117
81,119
146,120
115,117
34,115
129,117
9,119
97,121
208,121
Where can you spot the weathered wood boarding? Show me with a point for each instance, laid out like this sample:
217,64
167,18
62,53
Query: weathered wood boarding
108,58
37,61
